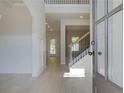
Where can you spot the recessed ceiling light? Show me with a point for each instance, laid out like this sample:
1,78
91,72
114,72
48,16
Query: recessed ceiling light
46,23
48,26
81,17
51,29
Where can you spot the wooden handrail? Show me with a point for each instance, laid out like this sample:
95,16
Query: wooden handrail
83,37
80,39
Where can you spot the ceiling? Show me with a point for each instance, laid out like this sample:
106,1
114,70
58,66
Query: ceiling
12,1
9,3
54,19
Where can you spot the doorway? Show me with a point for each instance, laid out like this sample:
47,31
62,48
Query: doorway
74,33
53,45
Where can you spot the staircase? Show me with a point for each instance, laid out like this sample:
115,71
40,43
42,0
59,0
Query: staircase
79,57
83,45
80,60
80,65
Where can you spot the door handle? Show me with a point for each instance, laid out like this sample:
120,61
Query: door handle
91,53
100,53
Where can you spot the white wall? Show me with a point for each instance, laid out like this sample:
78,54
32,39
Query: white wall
37,10
15,40
23,38
64,23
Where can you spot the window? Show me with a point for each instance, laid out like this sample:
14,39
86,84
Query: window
75,47
109,40
100,9
101,48
113,4
115,38
53,46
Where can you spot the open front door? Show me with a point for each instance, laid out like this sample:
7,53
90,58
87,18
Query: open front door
108,50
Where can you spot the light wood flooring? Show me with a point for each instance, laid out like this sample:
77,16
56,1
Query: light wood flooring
51,81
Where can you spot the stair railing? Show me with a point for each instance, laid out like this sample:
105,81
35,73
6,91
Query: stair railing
80,48
66,1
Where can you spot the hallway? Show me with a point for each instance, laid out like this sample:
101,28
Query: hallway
52,81
61,46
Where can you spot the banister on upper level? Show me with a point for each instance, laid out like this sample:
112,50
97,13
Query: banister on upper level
67,6
66,1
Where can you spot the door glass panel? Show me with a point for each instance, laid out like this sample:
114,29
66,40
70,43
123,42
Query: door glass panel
53,46
113,4
100,9
115,60
101,48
